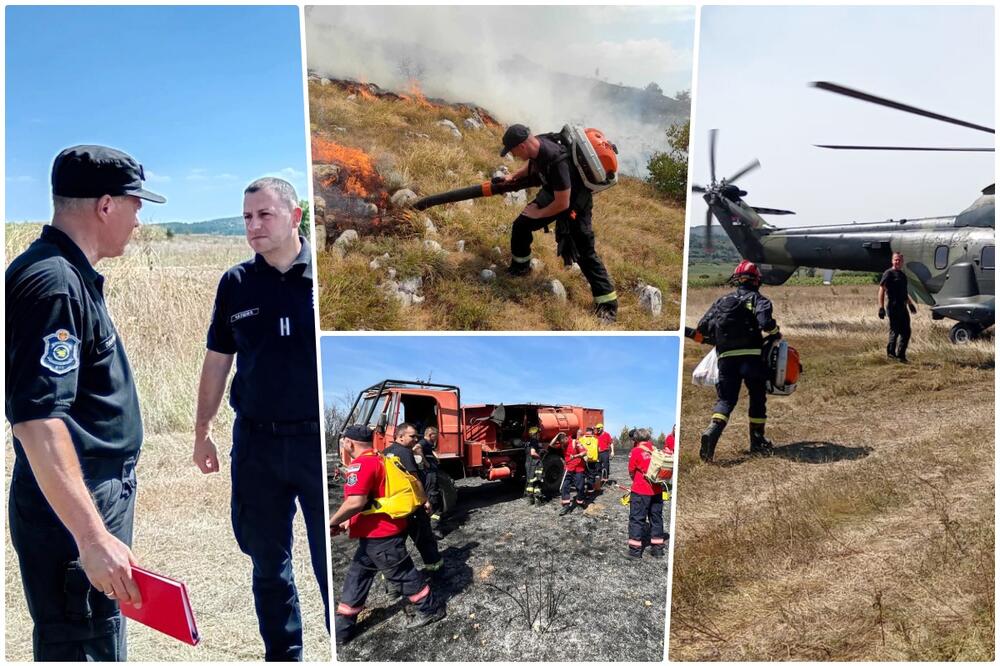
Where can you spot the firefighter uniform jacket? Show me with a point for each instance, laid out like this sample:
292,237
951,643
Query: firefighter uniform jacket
638,463
366,476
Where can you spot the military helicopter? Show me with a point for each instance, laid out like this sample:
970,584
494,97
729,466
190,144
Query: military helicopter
950,260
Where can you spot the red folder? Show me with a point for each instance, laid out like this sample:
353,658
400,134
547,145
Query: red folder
165,606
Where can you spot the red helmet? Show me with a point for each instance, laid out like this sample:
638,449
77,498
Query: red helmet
746,271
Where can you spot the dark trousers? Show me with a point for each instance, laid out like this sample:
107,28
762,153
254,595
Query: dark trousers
387,555
418,528
582,234
572,480
737,370
591,474
533,476
431,486
270,472
604,462
73,621
645,512
899,330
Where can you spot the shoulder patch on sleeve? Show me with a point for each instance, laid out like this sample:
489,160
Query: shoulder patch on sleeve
352,479
354,468
62,352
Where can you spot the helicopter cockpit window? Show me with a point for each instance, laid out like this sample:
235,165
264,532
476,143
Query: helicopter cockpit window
941,257
989,256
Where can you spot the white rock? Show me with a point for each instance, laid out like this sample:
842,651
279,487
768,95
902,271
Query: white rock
433,245
417,300
575,268
370,209
460,246
558,290
339,129
450,173
486,275
391,273
509,157
319,206
374,264
501,172
351,97
385,256
403,198
429,226
324,81
411,285
651,300
457,134
405,299
473,124
346,239
537,265
518,198
447,123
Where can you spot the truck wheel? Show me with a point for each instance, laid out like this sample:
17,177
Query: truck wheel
552,475
963,333
449,494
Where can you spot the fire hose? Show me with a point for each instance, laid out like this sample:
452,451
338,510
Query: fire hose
488,188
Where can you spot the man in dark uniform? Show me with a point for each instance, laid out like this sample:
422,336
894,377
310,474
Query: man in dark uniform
563,199
264,317
533,451
426,448
418,527
893,287
740,324
74,411
381,541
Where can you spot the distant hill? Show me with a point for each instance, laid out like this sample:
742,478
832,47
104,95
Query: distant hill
223,226
723,250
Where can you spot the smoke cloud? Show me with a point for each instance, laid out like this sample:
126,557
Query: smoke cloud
543,67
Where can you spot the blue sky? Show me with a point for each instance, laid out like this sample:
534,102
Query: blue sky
633,378
754,67
207,98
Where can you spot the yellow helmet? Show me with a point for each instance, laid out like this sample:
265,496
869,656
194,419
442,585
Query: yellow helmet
533,430
600,426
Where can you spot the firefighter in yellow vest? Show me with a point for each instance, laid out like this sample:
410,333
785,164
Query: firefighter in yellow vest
589,442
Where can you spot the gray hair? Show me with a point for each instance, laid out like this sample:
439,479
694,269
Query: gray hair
641,434
282,188
70,205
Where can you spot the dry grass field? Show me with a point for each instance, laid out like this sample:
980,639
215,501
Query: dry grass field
869,535
639,236
160,295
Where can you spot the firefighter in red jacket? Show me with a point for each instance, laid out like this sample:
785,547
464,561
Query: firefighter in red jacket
574,456
381,541
645,500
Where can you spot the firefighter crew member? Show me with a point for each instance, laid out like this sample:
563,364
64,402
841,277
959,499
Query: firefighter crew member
533,467
418,527
263,317
426,448
645,508
589,442
381,541
893,288
605,451
740,324
576,468
563,199
74,412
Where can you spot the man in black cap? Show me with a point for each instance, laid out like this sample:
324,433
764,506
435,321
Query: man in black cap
893,289
381,541
263,318
74,411
563,199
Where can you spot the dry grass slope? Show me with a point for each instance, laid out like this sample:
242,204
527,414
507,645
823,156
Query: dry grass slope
870,535
639,235
160,295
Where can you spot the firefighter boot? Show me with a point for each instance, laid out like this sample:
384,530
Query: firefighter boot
710,438
607,312
759,444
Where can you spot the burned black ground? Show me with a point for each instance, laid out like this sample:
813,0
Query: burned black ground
607,608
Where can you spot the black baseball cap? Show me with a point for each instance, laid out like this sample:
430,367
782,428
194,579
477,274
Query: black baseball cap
513,137
359,433
89,172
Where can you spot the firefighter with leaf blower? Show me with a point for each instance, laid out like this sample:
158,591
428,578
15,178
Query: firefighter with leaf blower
566,198
740,325
378,495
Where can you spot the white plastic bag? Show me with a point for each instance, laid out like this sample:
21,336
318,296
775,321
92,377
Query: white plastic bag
707,372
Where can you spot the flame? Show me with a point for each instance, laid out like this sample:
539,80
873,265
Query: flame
415,94
361,178
364,91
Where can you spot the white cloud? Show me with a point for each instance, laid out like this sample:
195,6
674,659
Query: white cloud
153,177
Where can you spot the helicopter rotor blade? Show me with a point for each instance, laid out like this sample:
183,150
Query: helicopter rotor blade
745,170
956,150
711,152
772,211
699,189
708,229
882,101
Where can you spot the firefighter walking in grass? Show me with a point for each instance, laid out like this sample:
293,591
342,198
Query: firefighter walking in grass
381,539
645,508
740,324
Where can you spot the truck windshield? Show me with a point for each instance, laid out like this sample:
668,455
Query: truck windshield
368,409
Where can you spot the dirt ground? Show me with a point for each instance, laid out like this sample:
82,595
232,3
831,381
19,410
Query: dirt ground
607,608
869,535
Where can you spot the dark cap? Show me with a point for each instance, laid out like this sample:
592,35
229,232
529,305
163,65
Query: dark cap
89,172
359,433
513,137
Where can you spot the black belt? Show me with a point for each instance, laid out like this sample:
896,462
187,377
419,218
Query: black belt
283,428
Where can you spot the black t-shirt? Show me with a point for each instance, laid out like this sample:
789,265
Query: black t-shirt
895,288
532,444
405,456
266,318
552,165
64,357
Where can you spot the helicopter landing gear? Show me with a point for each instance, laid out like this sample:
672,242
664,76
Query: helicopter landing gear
964,332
